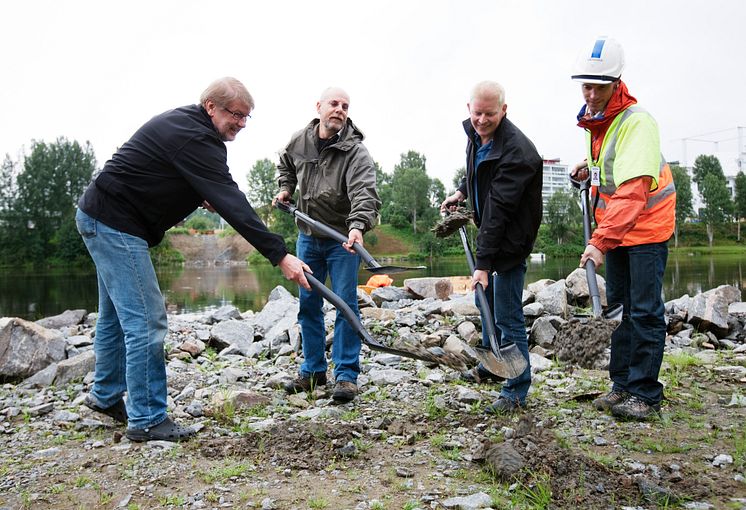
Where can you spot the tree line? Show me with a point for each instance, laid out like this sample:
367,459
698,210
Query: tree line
39,193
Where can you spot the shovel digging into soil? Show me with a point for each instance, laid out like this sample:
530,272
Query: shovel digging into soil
584,340
372,264
503,361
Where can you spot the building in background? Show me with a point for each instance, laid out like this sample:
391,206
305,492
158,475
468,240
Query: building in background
556,177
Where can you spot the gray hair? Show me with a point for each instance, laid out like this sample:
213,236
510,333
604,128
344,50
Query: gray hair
488,89
224,90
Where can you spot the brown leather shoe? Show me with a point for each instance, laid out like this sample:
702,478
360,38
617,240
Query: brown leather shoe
307,384
344,391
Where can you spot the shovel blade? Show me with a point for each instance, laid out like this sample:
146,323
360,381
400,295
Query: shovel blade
614,312
392,269
508,364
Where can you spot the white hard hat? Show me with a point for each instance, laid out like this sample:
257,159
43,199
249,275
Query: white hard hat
602,62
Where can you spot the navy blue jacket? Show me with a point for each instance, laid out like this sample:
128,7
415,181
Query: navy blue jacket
509,182
164,172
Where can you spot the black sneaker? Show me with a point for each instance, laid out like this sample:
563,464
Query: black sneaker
503,405
167,430
612,398
634,408
344,391
307,384
479,375
117,412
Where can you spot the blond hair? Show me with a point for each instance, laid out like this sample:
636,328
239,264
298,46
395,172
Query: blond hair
225,90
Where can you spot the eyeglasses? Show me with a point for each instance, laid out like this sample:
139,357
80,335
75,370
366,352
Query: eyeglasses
238,115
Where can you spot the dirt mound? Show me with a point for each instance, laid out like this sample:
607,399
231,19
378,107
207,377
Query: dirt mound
584,342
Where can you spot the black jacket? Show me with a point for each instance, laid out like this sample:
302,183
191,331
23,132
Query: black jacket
164,172
509,186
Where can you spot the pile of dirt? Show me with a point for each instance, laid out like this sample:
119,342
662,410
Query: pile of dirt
584,342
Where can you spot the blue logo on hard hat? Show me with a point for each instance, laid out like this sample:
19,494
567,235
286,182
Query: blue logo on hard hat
597,48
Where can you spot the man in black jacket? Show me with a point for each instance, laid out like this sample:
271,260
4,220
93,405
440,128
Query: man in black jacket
172,164
504,180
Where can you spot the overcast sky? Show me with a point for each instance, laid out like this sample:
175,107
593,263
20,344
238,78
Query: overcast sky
97,70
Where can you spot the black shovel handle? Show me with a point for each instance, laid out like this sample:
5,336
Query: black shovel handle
484,306
327,231
590,266
354,321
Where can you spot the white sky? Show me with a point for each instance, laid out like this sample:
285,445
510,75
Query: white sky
97,70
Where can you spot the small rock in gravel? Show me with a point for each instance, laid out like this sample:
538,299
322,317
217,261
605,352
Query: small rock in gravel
473,502
504,460
403,472
722,460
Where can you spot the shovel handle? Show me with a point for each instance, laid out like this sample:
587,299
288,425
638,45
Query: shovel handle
484,306
590,266
327,231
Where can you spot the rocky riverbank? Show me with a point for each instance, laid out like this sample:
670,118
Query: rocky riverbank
416,437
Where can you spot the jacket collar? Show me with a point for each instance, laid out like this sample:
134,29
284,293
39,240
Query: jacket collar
497,139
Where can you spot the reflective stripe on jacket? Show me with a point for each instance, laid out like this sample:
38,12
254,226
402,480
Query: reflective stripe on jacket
631,149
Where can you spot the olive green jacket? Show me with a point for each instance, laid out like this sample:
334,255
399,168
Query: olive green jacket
337,186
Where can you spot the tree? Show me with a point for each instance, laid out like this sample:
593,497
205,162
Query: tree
684,209
410,188
717,203
563,216
706,165
460,174
740,201
53,178
262,181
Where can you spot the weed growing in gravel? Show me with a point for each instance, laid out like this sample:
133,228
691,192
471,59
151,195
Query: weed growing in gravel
224,473
361,445
351,415
452,453
676,366
739,446
410,505
82,481
133,506
104,498
377,505
432,409
437,440
536,494
171,500
58,488
317,503
25,499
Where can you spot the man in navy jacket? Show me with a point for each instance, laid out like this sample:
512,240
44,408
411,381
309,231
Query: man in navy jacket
173,164
503,180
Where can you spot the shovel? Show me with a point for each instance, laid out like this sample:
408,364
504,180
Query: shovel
373,265
455,361
614,311
507,362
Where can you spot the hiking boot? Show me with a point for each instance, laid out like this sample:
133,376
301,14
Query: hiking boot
117,412
503,405
612,398
307,384
344,391
167,430
479,375
634,408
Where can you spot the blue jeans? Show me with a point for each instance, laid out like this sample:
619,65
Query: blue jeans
131,324
504,294
634,277
328,257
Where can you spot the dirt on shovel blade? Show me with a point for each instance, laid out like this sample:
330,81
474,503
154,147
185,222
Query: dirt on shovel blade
436,355
584,341
452,222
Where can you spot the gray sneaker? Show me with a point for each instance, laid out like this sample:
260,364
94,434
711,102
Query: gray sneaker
612,398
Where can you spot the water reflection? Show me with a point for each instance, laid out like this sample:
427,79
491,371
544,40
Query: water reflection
33,295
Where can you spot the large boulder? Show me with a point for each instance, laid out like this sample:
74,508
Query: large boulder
553,298
576,284
237,334
26,348
709,310
277,317
67,318
429,287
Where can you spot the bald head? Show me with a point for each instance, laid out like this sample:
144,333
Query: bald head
332,108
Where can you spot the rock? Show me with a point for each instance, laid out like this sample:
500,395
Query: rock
429,287
26,348
533,310
468,331
554,299
504,461
225,313
388,376
467,395
732,371
65,319
539,285
709,310
379,314
75,368
79,340
463,307
389,294
194,347
235,333
364,300
722,460
738,307
576,284
278,316
41,379
543,332
539,363
239,399
473,502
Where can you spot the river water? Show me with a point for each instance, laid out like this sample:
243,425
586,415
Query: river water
33,295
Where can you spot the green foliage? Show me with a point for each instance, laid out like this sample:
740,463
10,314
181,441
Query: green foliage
165,255
684,208
262,181
200,222
37,204
717,203
706,165
458,177
546,243
564,217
